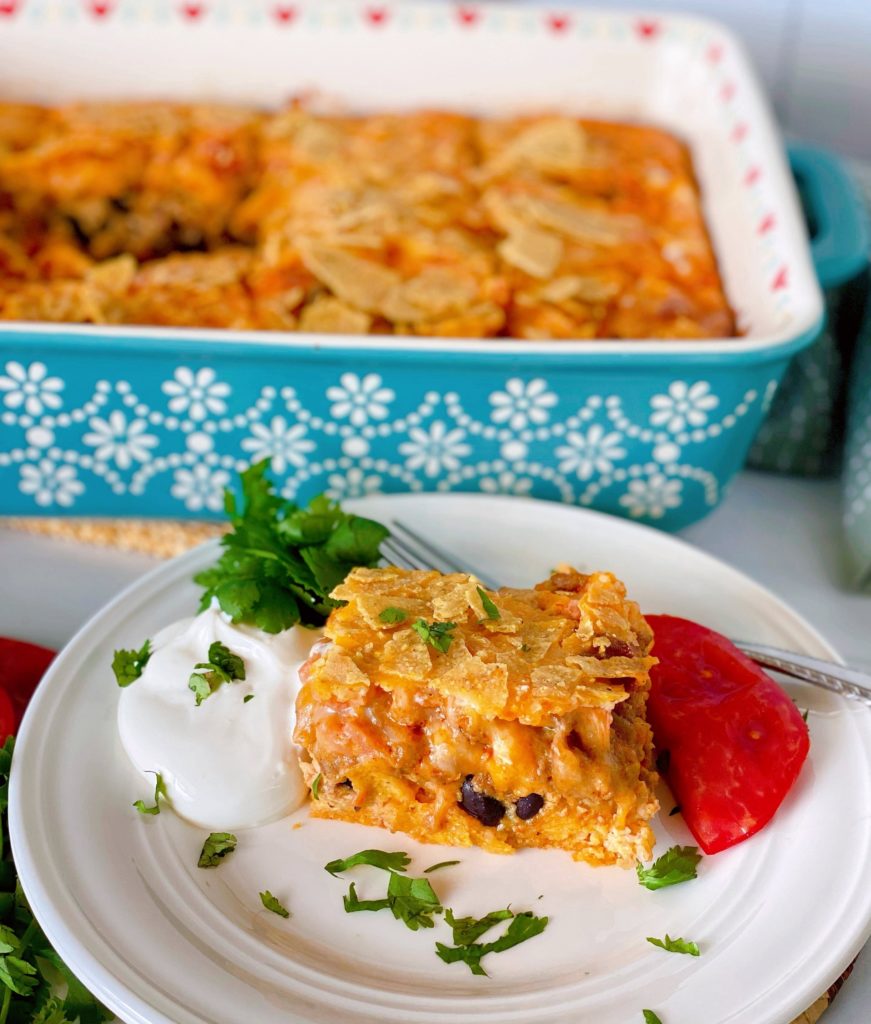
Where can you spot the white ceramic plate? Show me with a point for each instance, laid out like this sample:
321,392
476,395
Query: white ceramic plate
158,939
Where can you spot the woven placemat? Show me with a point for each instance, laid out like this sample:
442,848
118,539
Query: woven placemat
166,538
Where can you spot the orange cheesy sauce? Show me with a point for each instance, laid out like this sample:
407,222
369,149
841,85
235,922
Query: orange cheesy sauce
428,223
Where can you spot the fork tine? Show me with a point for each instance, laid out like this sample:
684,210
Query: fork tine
427,553
416,558
396,556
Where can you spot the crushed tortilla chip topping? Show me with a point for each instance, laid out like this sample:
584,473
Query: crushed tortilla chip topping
429,223
546,696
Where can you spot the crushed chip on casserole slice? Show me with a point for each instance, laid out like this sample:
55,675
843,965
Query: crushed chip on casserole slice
526,730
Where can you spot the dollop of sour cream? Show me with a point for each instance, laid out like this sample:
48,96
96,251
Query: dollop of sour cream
227,763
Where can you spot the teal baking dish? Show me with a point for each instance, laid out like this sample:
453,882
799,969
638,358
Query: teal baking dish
803,431
155,422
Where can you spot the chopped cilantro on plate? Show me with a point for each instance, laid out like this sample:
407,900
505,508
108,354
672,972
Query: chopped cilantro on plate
217,846
159,791
398,861
441,864
523,926
671,945
274,904
677,864
128,665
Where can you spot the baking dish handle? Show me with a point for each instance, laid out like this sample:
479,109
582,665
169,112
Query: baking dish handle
836,214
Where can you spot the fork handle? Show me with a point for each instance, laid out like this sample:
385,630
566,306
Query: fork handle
848,682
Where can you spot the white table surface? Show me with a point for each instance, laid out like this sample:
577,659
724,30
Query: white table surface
785,533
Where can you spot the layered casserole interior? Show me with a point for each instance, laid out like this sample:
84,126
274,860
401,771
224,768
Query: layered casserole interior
426,223
497,719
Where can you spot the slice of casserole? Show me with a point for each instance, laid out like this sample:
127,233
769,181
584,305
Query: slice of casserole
496,719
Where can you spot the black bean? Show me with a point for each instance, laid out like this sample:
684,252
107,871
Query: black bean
528,806
347,783
487,809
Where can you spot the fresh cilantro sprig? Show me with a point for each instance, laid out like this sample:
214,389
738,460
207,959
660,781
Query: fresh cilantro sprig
159,791
436,634
650,1017
523,926
678,864
281,562
217,846
490,609
128,665
223,666
31,972
274,904
398,861
671,945
316,786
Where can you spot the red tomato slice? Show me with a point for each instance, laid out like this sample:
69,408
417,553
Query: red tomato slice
735,740
22,665
8,723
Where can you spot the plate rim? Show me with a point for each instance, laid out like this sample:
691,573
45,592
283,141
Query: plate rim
138,1010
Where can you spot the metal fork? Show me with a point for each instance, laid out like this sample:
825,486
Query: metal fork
409,550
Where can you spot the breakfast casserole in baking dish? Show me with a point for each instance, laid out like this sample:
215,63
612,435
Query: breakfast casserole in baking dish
502,719
428,223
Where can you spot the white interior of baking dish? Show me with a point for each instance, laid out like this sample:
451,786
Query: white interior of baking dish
685,74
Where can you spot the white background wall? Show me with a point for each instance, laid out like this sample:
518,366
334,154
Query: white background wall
813,55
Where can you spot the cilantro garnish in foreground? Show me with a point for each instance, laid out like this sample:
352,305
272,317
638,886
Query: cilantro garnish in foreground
30,970
398,861
436,634
215,848
671,945
159,791
469,929
392,615
271,903
128,665
676,865
523,926
281,562
441,864
490,608
353,903
650,1017
223,666
413,901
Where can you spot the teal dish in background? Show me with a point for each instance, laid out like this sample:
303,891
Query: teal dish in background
146,422
155,422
